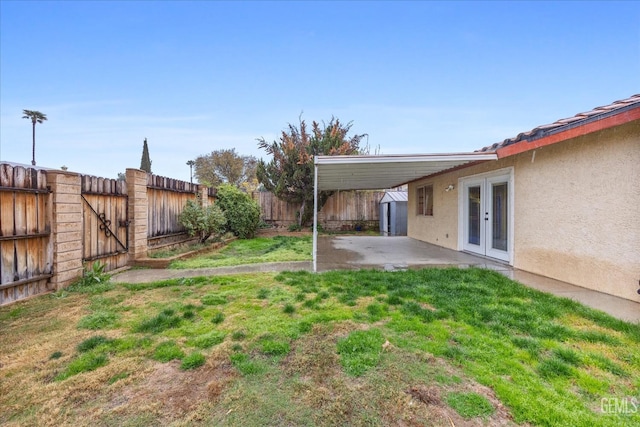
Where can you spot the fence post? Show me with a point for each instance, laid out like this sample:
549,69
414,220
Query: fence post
66,227
137,213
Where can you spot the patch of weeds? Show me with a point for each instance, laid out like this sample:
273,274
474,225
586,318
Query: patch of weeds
213,299
605,364
301,296
376,311
93,342
455,352
289,308
238,335
531,345
394,299
192,361
217,318
14,313
360,351
237,347
166,319
189,315
568,355
118,377
598,337
323,295
99,320
121,345
555,367
55,355
304,327
310,303
167,351
243,363
207,340
86,362
469,405
183,281
447,379
93,281
263,293
274,347
415,309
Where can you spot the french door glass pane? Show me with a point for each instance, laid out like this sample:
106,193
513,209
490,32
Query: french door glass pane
499,221
474,215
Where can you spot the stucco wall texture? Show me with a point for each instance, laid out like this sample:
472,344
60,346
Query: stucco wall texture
576,210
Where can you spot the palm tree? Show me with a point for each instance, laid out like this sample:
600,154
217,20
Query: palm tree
36,117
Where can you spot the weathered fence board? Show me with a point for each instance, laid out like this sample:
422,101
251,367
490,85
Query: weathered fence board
104,221
166,198
25,261
342,210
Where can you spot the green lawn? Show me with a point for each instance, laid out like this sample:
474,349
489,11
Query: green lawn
423,347
252,251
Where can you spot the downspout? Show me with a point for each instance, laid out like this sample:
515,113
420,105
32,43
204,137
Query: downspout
315,215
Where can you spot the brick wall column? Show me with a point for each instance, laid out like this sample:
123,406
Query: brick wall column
138,213
204,197
66,227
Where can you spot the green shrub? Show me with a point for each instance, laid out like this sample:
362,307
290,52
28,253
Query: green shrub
203,222
241,211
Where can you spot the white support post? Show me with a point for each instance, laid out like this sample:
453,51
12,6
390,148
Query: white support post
315,216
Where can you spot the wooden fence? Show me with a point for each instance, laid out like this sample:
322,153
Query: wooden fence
25,233
53,223
342,211
166,199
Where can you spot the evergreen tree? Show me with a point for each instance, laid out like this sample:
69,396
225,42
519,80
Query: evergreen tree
289,174
145,163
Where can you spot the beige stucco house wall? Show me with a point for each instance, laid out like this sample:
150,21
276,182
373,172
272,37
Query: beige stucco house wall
576,209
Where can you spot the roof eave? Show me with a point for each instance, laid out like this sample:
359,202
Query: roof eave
572,130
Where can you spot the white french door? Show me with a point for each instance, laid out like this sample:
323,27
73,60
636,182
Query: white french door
486,220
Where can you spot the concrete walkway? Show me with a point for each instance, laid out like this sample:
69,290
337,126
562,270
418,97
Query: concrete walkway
400,253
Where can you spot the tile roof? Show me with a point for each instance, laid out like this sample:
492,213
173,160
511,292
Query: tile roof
570,122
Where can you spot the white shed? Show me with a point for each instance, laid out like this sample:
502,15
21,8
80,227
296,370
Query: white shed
393,213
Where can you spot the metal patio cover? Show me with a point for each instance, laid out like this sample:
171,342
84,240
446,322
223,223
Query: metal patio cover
382,172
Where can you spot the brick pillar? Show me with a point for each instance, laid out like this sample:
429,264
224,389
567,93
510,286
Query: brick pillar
138,213
66,227
204,197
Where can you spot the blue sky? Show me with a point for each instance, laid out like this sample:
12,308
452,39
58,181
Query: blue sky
192,77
